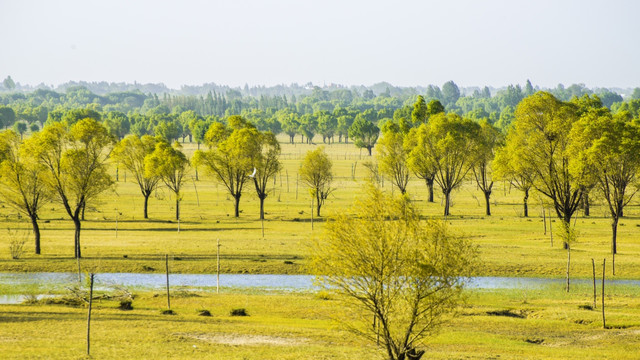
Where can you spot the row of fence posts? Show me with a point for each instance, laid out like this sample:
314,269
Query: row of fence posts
169,311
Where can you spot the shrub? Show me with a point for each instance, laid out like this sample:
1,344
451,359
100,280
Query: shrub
239,312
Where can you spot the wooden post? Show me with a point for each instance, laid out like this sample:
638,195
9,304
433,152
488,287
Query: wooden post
287,171
262,223
544,218
116,223
312,213
551,227
218,268
568,263
593,265
604,323
166,259
89,314
196,189
297,179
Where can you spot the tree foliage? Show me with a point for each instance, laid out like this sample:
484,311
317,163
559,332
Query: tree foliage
387,265
317,173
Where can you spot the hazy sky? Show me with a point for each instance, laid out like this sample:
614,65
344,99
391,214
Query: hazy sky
262,42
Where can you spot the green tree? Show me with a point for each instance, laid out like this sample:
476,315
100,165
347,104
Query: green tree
131,152
420,113
434,107
7,116
8,83
231,154
170,165
608,150
364,133
168,130
22,183
506,166
541,132
488,139
117,124
450,93
266,164
419,162
20,127
316,172
76,163
392,158
448,143
385,264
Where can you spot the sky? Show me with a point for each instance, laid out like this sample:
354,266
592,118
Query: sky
349,42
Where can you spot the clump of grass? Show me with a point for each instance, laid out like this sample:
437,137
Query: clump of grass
17,240
585,307
507,313
168,312
125,304
323,295
204,312
239,312
288,262
147,268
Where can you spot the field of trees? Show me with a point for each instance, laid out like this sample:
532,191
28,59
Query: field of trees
540,182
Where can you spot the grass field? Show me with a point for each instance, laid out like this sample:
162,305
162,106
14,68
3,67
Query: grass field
509,244
505,324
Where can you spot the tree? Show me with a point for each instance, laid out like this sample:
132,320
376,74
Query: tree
392,158
420,113
419,162
8,83
22,183
608,150
267,165
170,165
7,116
364,133
117,124
168,130
450,93
385,264
131,152
20,127
541,132
76,163
231,154
487,141
316,172
448,143
506,166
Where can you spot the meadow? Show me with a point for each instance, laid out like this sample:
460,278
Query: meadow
539,323
116,238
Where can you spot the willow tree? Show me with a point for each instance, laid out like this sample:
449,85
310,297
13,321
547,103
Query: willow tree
489,138
131,152
507,167
392,157
608,152
22,184
76,162
169,164
386,265
266,164
448,143
317,173
230,158
419,162
541,133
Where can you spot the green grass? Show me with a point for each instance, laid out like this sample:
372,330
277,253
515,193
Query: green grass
509,244
285,325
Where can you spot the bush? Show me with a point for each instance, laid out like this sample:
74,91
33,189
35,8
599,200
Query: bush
125,304
239,312
17,240
204,313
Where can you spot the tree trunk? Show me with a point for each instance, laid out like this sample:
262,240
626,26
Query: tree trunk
411,354
36,232
369,149
318,205
447,200
237,204
177,207
487,200
261,208
430,186
567,226
586,203
146,204
568,264
526,206
614,232
84,205
76,223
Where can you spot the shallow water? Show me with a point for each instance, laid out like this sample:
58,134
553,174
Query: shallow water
265,282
